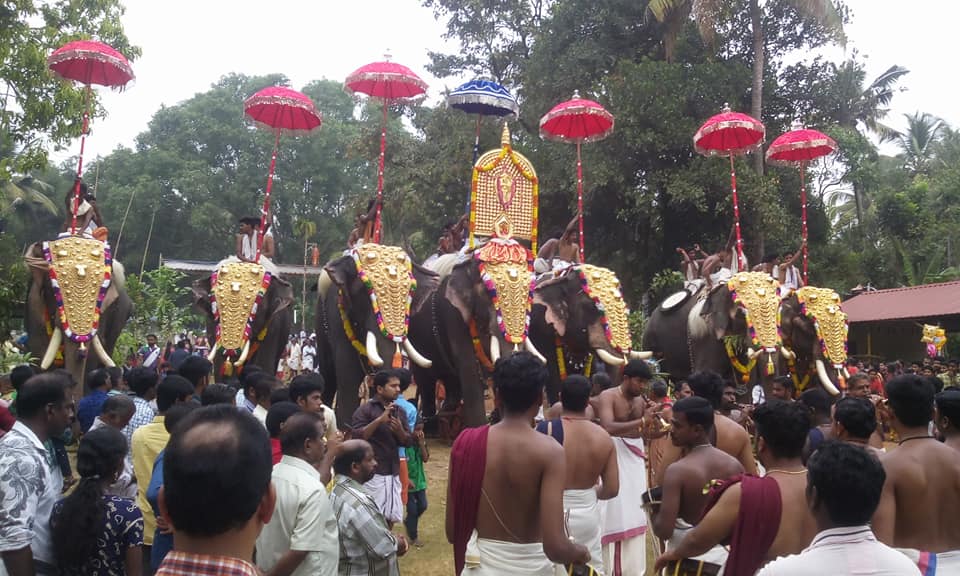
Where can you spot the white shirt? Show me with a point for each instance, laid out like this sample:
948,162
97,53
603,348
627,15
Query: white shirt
260,413
308,357
791,277
303,520
293,359
844,551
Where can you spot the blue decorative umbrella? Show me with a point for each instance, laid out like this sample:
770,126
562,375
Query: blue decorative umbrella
483,98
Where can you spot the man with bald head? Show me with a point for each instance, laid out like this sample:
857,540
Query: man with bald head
216,493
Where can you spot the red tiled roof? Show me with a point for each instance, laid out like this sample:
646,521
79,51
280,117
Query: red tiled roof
927,301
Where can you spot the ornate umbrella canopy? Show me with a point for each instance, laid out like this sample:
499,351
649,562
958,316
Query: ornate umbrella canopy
90,62
484,98
577,120
279,108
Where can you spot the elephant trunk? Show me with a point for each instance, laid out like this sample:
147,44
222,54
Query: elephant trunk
825,379
373,355
98,349
528,344
416,356
609,358
494,349
51,353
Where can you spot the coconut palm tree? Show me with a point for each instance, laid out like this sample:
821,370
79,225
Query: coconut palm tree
27,193
918,143
305,229
860,106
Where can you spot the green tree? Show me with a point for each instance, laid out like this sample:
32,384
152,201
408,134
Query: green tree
918,143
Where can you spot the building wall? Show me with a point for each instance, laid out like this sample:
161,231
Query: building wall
891,340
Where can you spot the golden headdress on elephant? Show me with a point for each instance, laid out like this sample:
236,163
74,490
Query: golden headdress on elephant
758,295
237,289
822,307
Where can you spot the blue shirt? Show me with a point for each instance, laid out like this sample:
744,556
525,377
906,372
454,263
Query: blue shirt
411,411
89,408
162,543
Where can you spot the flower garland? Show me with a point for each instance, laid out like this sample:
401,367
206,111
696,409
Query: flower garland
348,328
478,347
371,290
585,286
744,371
562,362
491,287
58,295
798,384
264,284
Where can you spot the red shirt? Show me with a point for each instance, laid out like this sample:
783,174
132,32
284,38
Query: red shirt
277,451
184,564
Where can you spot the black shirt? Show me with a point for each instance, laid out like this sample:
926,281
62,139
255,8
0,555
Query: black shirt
385,444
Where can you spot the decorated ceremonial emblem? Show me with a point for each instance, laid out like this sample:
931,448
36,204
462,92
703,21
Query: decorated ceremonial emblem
822,307
79,269
603,287
507,271
387,272
237,289
758,295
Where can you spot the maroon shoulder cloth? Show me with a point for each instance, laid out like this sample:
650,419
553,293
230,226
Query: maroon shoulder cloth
757,523
468,460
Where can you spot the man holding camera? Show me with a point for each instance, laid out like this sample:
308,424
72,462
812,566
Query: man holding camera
381,423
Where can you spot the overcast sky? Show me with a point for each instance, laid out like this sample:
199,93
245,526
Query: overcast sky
188,45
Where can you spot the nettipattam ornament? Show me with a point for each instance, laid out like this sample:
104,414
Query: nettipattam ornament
603,287
237,288
79,269
758,295
387,273
822,307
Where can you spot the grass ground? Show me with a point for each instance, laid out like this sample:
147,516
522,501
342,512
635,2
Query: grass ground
436,556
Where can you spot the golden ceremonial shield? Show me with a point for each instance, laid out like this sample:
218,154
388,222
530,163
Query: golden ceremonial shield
758,295
237,290
79,270
387,273
603,287
822,306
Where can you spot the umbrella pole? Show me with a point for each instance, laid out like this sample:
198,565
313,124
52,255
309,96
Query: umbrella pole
736,214
266,197
383,151
580,199
476,154
803,215
83,141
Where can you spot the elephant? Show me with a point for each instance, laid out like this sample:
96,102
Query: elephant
46,331
344,303
803,342
693,335
268,332
565,314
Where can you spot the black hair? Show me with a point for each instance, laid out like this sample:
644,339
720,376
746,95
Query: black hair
911,399
575,393
769,258
75,527
935,383
262,385
405,378
658,389
248,371
216,470
602,379
176,414
786,382
948,403
783,426
182,344
141,380
39,391
519,380
278,414
699,411
19,375
382,378
195,369
343,463
299,428
250,221
118,404
638,368
116,374
817,400
857,415
848,481
305,385
218,394
98,378
707,385
278,395
171,389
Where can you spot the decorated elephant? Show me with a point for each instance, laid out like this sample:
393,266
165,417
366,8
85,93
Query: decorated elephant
728,329
578,316
77,305
248,316
814,331
364,305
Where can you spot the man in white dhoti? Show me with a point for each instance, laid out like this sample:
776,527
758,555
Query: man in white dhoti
626,414
589,455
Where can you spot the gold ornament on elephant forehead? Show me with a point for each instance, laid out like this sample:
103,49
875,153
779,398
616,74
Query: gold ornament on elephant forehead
387,273
79,270
603,287
237,291
758,294
822,306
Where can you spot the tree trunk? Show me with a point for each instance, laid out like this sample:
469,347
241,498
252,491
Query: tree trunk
756,104
858,201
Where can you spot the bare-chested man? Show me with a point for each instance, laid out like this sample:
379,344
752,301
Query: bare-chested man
589,454
858,386
684,481
562,252
854,422
727,435
947,417
628,416
761,518
505,495
921,498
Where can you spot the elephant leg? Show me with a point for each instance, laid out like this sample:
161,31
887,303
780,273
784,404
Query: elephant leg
469,385
271,349
426,390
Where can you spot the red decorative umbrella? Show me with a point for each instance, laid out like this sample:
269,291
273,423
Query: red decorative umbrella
729,134
390,82
88,62
577,120
279,109
798,147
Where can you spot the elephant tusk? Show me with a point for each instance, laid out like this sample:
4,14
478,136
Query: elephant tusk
825,379
50,355
416,356
845,373
640,355
494,349
609,358
787,353
213,352
751,353
243,355
372,354
528,344
98,349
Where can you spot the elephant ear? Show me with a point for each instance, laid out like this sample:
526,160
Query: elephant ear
552,295
201,296
463,289
282,295
718,309
342,272
428,281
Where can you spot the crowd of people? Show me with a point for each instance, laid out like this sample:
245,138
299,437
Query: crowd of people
178,474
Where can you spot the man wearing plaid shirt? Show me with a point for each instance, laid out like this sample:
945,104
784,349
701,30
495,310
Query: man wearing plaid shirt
367,546
143,383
